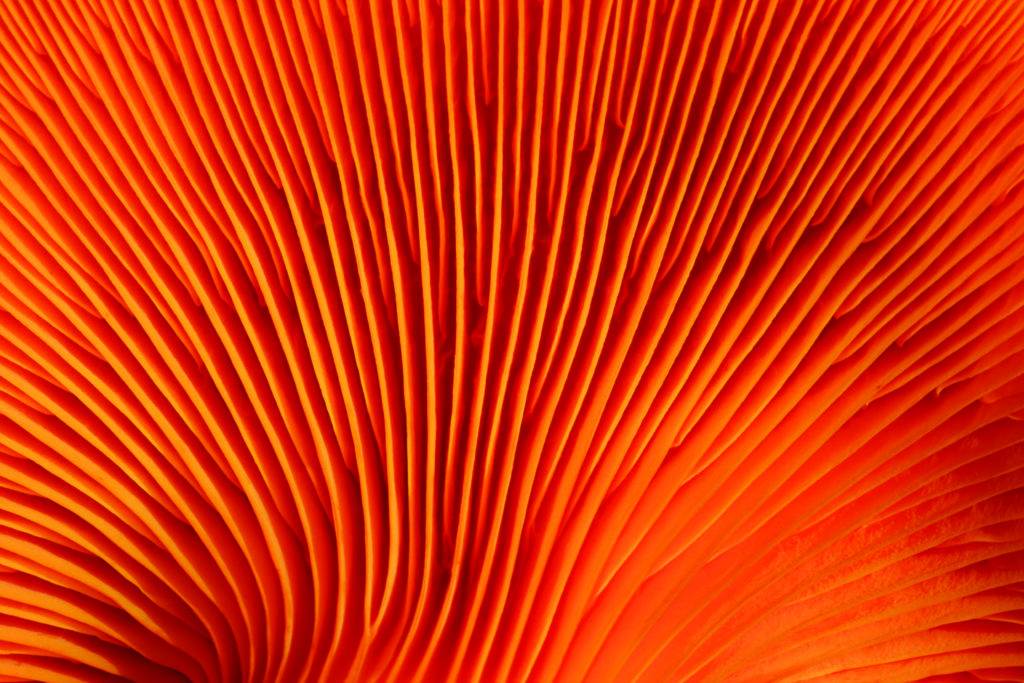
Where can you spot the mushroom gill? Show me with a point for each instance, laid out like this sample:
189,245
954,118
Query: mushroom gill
511,340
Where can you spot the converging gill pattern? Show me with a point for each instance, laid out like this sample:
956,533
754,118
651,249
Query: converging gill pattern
511,340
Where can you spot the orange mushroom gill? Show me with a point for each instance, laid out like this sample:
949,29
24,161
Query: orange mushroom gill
511,340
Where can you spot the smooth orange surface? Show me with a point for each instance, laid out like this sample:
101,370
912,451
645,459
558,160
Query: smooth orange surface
497,340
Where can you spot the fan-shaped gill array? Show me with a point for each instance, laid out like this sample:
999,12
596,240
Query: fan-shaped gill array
509,340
